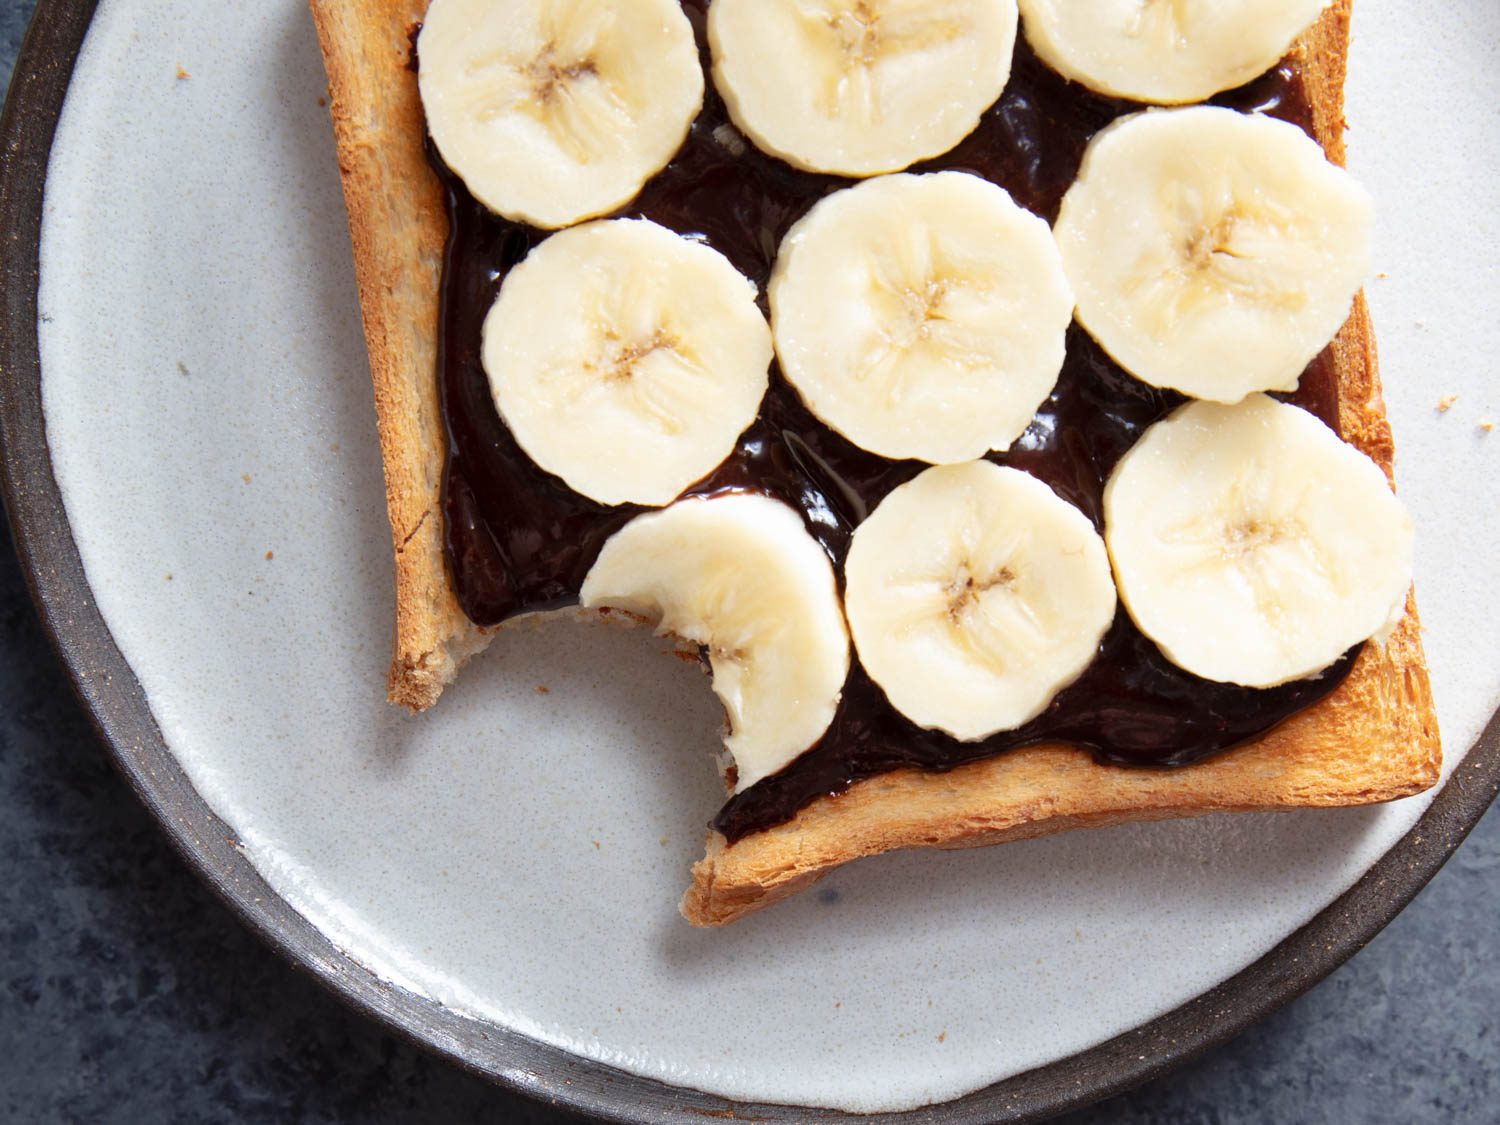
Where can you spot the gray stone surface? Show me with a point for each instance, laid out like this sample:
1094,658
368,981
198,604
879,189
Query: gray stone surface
128,994
12,27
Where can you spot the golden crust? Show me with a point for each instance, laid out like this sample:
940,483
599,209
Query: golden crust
1375,739
398,227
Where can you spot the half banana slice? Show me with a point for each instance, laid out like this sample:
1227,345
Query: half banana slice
1252,545
858,87
626,359
1165,51
1213,252
739,575
922,316
975,594
552,111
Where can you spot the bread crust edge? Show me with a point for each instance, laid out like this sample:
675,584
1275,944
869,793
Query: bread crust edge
398,228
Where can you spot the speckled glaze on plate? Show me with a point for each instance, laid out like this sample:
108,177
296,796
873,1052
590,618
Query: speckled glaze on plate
499,877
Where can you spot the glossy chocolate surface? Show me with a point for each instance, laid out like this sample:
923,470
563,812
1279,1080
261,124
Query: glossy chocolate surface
519,540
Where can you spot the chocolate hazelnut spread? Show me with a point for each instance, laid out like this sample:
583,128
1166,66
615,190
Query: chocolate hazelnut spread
519,540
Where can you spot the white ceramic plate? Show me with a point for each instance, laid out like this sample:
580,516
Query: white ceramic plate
517,854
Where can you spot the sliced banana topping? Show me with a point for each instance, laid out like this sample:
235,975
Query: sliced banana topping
626,359
1213,252
975,595
1252,545
858,87
553,111
739,575
922,316
1165,51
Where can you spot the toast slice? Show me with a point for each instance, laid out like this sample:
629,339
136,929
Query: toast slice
1374,739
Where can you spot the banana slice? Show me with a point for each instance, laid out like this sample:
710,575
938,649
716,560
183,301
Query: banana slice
1165,51
922,316
975,595
626,359
858,87
739,575
1213,252
1252,545
553,111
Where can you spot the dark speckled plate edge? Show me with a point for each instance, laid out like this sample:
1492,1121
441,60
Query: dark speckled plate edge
116,704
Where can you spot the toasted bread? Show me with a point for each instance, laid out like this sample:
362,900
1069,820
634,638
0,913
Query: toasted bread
1374,739
398,227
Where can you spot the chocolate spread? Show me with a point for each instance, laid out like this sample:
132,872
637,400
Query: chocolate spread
519,540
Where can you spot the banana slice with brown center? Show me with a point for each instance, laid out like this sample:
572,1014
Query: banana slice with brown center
859,87
626,359
922,316
1165,51
553,111
1252,545
1213,252
974,595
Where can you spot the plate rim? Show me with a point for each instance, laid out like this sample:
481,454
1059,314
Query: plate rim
116,706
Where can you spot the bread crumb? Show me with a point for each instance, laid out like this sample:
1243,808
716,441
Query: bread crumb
596,845
543,689
270,555
1486,425
1445,403
664,841
245,477
336,446
169,578
1381,276
942,1037
182,368
182,75
322,102
838,1003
